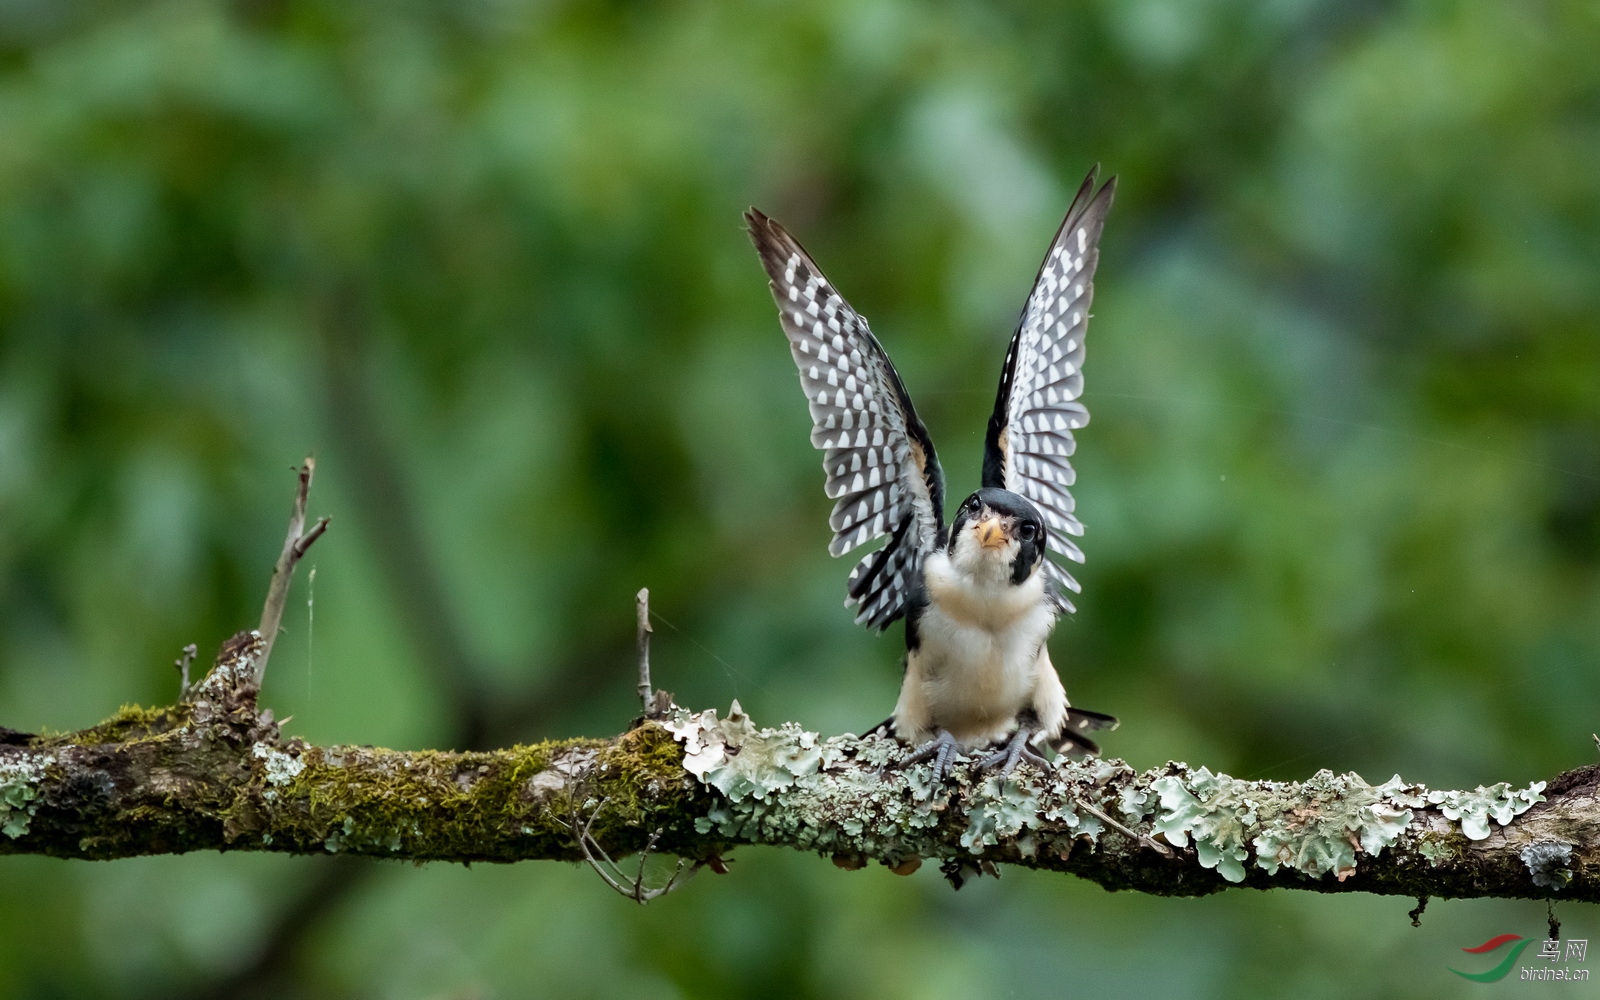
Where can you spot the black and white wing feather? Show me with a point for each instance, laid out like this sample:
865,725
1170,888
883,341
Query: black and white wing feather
882,470
1030,441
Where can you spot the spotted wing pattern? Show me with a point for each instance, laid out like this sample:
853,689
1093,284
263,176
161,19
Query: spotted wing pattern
1030,438
881,468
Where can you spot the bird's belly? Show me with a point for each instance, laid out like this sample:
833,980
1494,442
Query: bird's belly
973,681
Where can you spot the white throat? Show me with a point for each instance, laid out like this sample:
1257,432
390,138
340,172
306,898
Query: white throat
980,564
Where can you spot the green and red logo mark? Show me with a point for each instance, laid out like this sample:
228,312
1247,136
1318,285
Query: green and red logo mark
1502,970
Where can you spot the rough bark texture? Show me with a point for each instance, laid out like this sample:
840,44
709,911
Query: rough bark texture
212,773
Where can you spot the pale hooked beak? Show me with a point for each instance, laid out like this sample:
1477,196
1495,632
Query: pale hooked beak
990,534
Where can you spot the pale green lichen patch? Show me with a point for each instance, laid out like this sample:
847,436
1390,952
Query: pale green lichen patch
1004,809
1215,811
280,768
834,796
1134,803
1340,817
742,762
1316,827
1027,812
1549,863
1476,808
789,786
18,794
786,785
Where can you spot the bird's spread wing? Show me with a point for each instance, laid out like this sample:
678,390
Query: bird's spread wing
1030,439
881,467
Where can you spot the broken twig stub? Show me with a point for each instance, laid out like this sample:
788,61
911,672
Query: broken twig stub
641,603
295,544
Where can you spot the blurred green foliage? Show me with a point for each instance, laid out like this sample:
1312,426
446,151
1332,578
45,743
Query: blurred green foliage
1342,485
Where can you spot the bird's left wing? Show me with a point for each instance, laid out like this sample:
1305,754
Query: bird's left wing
1030,440
881,467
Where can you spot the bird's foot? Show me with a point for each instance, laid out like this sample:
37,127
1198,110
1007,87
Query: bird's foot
1013,753
943,749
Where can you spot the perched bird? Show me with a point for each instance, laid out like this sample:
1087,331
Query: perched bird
979,596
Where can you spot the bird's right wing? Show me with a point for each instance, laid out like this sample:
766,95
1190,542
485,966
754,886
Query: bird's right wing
1030,442
881,467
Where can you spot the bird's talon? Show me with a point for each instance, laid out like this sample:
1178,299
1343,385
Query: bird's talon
1013,753
1036,759
942,748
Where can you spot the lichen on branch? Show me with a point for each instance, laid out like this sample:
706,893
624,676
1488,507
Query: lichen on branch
794,788
209,776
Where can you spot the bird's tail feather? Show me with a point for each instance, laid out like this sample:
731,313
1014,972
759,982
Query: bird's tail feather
884,728
1074,741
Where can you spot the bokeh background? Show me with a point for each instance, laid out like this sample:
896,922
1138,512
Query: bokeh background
484,259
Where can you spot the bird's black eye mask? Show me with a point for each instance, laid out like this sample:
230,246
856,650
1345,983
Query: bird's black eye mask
1030,551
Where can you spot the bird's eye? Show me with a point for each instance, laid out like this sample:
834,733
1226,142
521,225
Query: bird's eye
1028,532
973,505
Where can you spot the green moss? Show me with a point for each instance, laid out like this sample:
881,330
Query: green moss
130,723
176,787
376,799
517,802
1437,850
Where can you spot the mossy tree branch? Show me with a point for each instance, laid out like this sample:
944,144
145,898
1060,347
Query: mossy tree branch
215,775
214,772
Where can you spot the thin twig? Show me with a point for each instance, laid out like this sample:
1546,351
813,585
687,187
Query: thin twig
1138,838
295,545
182,663
641,603
644,855
611,872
